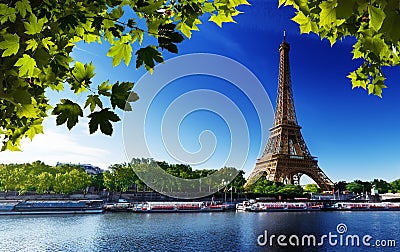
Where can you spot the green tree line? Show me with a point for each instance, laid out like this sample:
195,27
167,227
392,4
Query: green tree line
381,185
66,179
264,187
42,178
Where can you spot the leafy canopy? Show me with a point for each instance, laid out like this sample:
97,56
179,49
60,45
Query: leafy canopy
37,38
374,24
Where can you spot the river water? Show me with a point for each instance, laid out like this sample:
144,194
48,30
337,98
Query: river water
225,231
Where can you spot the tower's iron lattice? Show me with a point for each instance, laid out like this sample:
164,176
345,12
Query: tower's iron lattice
286,156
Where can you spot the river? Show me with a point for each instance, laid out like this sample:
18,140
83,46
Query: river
223,231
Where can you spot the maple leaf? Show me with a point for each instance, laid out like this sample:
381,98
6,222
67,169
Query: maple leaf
67,111
26,65
102,119
93,100
34,26
10,44
121,49
147,56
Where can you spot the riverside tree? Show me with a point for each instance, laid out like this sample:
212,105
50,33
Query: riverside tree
119,178
395,186
374,24
38,37
312,188
276,189
43,178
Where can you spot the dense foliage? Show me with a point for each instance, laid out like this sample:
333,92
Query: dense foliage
68,178
274,189
312,188
374,24
37,38
206,180
42,178
120,178
382,186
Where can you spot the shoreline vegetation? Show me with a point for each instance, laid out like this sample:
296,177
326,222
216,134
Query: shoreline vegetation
38,180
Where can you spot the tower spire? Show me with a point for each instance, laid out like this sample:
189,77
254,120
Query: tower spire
284,35
286,157
284,111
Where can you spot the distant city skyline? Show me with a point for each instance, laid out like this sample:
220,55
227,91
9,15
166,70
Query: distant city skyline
353,135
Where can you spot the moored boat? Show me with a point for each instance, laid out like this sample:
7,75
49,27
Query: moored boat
278,206
51,207
393,206
382,206
175,207
244,206
118,207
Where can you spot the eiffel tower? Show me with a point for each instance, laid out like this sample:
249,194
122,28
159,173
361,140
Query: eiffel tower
286,157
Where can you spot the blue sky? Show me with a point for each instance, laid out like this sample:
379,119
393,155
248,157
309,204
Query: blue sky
353,135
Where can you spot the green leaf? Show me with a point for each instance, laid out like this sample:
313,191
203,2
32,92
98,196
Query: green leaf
68,22
376,17
22,7
35,128
33,26
356,81
390,27
11,147
167,37
47,42
27,110
97,22
185,29
152,25
391,22
137,35
303,6
102,119
208,7
116,13
306,26
220,18
235,3
10,44
82,75
22,96
357,50
150,6
120,94
26,66
104,88
147,56
93,100
281,2
7,13
67,111
32,44
121,49
83,72
344,9
328,13
376,89
376,45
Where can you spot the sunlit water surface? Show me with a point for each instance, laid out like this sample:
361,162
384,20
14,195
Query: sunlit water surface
227,231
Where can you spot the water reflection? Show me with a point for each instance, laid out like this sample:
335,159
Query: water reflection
187,231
